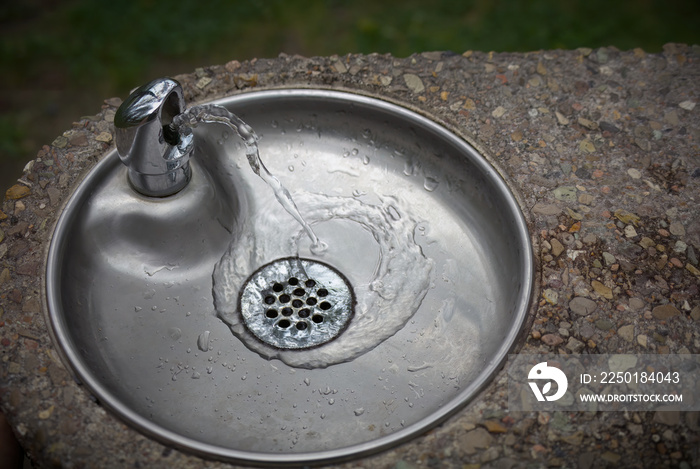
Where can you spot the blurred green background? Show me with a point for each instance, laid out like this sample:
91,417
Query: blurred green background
60,59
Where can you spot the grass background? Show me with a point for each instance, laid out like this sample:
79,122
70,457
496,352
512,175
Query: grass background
60,59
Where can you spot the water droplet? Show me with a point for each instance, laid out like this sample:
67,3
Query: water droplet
393,213
307,381
354,152
175,333
430,184
137,308
196,375
331,401
319,248
290,168
203,341
365,159
149,294
359,411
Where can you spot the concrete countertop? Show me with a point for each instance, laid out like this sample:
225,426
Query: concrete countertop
601,144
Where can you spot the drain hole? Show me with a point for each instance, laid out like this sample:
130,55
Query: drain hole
296,303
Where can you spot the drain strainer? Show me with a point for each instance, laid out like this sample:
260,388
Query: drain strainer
296,303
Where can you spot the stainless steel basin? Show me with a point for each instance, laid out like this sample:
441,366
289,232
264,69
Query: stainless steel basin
130,283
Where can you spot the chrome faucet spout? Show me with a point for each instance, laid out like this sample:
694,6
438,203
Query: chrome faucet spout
155,152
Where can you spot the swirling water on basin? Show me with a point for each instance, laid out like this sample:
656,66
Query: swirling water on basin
385,302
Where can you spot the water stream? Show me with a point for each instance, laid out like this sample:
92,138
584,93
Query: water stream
371,243
213,114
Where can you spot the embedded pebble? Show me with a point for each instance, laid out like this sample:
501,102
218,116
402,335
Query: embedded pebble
561,119
493,426
647,242
587,146
692,257
104,137
642,340
587,331
552,340
17,192
666,311
582,306
676,229
565,193
609,258
626,332
590,238
603,324
634,173
550,296
498,112
602,290
695,313
627,217
414,82
574,345
557,247
546,209
586,199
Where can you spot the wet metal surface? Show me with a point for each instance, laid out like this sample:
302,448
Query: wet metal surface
129,284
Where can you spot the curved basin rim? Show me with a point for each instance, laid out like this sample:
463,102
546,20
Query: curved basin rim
107,398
